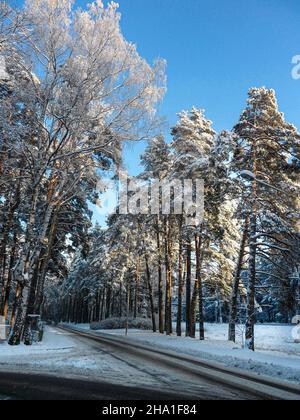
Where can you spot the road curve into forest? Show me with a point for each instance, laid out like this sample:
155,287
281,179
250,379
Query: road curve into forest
224,382
178,377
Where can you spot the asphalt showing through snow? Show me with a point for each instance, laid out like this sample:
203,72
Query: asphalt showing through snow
41,387
98,371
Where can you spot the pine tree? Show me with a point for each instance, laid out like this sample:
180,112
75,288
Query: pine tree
266,150
200,154
156,162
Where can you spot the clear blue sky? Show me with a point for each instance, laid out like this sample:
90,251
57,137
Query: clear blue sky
216,50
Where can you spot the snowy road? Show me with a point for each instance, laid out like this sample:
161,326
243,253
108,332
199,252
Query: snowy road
72,364
27,386
217,376
99,371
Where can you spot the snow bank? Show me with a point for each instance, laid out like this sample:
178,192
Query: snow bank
277,355
60,352
53,341
63,354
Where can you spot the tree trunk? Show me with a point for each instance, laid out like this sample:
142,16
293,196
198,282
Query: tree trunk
160,282
3,257
21,311
150,294
9,278
194,309
180,281
137,290
14,309
199,259
168,304
250,323
39,294
236,285
120,300
27,265
30,304
3,251
108,302
103,303
188,288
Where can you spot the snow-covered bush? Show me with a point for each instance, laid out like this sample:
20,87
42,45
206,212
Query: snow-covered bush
118,323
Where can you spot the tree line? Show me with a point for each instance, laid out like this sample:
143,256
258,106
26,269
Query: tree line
73,90
240,264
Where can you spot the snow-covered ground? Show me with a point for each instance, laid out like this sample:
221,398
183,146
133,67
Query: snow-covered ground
62,353
66,355
53,342
276,355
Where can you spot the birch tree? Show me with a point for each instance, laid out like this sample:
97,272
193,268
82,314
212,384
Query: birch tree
87,91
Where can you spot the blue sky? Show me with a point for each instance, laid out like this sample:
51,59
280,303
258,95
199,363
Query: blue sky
216,50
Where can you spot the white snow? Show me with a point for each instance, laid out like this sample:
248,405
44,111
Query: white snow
52,342
276,355
62,354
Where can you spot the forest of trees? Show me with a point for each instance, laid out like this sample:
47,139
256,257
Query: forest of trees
72,92
240,265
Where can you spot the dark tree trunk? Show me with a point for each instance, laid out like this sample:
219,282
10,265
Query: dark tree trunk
20,317
160,282
26,266
194,309
103,303
3,250
150,294
236,284
108,302
39,293
250,323
188,288
180,281
168,304
137,290
198,244
9,278
30,305
120,300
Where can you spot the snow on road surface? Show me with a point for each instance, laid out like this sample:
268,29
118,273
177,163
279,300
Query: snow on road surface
277,354
66,355
61,353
